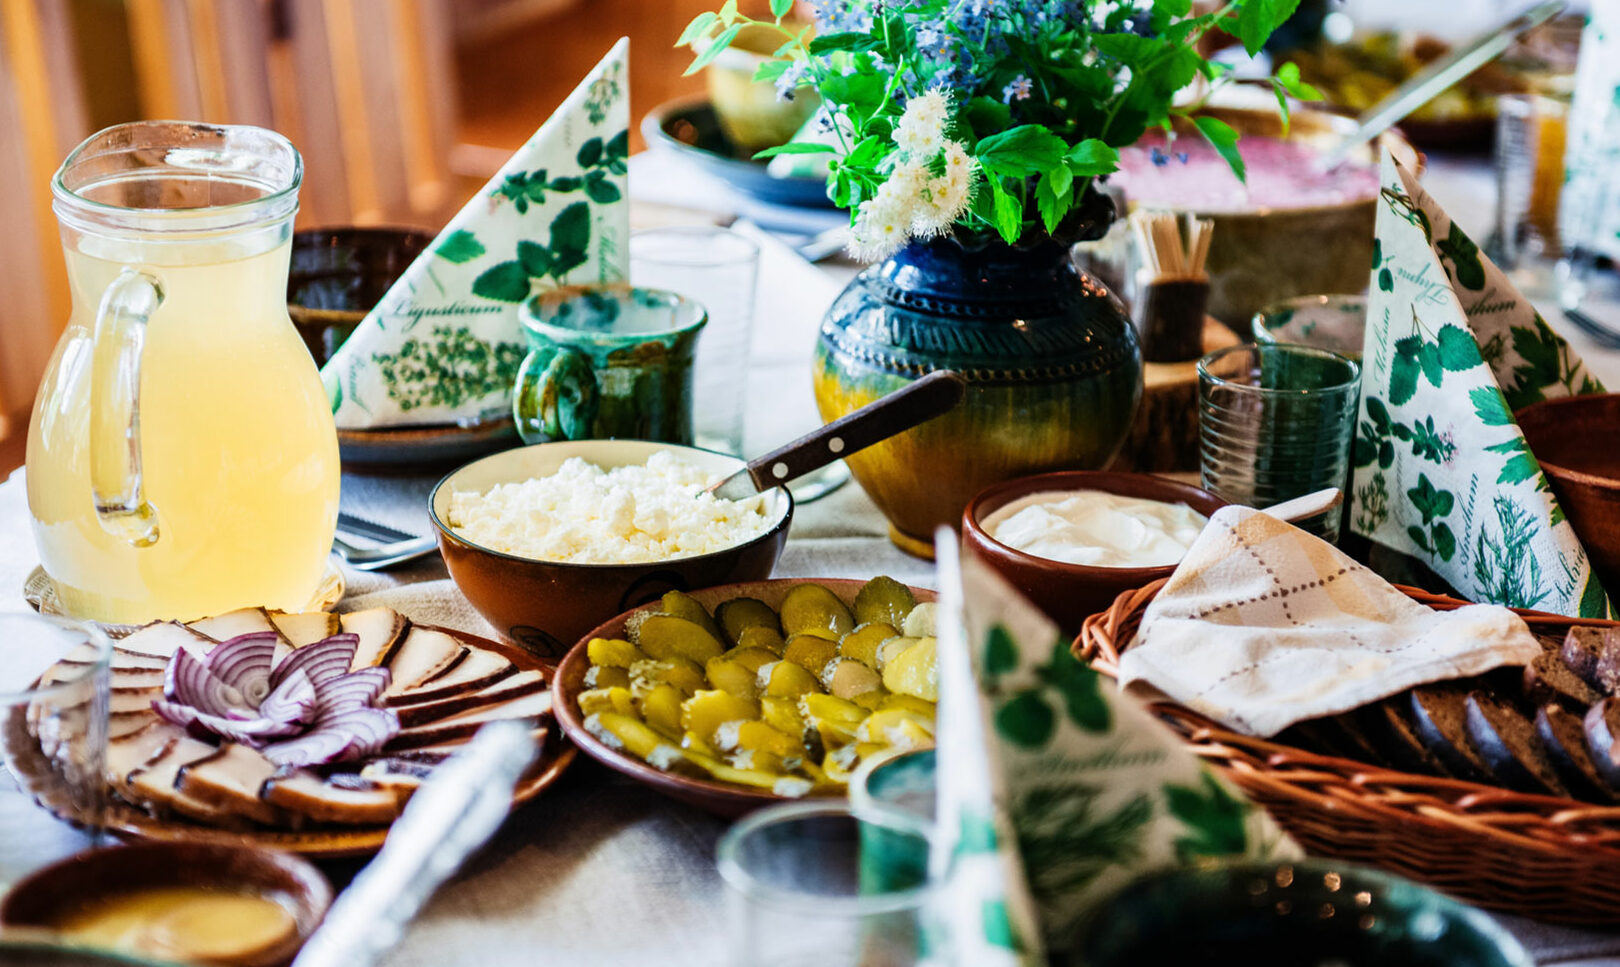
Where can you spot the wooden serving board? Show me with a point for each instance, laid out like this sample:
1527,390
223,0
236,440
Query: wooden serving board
326,841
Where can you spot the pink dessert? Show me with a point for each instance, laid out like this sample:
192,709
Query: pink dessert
1281,174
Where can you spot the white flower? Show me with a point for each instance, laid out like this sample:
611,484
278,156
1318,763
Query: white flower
948,193
879,231
921,130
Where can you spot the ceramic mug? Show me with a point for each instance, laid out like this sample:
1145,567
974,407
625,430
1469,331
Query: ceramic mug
607,362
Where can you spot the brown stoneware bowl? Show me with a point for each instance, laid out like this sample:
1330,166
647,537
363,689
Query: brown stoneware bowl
42,898
547,605
720,798
1569,438
1070,593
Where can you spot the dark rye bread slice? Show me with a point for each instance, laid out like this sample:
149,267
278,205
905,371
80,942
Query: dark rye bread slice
1549,679
1602,724
1339,736
1563,737
1593,654
1439,715
1386,725
1507,741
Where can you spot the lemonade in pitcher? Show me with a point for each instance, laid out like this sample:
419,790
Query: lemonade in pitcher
182,459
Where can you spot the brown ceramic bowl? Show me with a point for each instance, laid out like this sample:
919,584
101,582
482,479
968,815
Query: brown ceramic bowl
1566,436
1070,593
720,798
338,274
545,606
41,898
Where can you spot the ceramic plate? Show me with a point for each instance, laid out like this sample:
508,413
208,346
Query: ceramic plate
689,128
337,841
410,447
720,798
40,593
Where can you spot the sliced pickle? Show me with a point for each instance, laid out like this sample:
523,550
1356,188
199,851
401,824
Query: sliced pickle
662,710
607,676
733,676
914,672
862,644
883,599
810,652
765,639
784,679
706,711
683,605
666,636
740,614
614,652
751,658
684,675
814,610
920,622
846,678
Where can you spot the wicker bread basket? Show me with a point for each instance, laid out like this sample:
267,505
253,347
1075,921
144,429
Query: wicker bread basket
1540,856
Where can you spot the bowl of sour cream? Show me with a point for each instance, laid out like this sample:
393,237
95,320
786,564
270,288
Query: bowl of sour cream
1074,540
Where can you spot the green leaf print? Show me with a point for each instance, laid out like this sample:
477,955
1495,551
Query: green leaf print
977,834
1064,841
997,924
1594,603
1458,350
1386,280
1026,720
1429,360
1000,653
1426,442
570,238
589,153
1445,543
1404,369
1520,465
1489,405
600,190
1378,252
506,282
459,246
1504,567
535,258
1079,684
447,367
1216,820
1428,501
1464,255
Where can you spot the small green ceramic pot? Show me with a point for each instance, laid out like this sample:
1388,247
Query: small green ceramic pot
607,362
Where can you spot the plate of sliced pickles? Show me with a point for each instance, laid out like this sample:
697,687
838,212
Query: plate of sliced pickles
740,696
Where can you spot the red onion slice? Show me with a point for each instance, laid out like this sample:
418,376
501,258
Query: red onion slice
189,682
359,689
294,700
322,660
253,732
243,664
311,748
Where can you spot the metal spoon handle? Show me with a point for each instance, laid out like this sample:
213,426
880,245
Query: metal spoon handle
931,396
1421,87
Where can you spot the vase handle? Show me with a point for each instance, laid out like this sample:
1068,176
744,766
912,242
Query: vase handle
115,408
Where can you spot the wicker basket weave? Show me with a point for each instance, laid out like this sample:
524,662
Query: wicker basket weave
1540,856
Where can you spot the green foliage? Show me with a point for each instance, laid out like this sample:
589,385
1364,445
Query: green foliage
1464,256
1216,820
568,249
1043,102
459,246
1435,536
1066,840
1505,570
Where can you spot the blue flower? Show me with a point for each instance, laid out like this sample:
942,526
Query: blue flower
790,79
838,16
1181,156
1159,158
1019,89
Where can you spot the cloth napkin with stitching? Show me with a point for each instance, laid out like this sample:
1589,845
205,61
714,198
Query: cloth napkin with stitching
1264,625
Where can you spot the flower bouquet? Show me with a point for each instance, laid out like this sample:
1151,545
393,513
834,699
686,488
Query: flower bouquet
993,119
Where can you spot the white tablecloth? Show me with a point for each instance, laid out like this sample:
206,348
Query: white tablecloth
602,871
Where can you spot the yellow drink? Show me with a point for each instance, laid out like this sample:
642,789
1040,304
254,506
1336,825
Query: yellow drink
238,452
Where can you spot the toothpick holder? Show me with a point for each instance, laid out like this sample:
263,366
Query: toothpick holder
1170,319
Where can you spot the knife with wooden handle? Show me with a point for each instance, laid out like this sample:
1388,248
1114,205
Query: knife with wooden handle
933,395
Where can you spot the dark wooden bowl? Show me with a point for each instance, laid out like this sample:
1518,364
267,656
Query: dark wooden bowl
1569,438
41,898
547,605
719,798
1070,593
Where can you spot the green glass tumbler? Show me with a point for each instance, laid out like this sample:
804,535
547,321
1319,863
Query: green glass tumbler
1275,421
607,362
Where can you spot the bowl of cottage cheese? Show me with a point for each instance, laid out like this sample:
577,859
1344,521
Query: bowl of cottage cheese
548,541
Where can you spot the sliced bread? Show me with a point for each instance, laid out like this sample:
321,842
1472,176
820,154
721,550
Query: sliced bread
1387,725
1506,740
1439,714
1585,650
1549,679
1602,725
1563,737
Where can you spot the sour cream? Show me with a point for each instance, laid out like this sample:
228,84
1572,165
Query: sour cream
1097,529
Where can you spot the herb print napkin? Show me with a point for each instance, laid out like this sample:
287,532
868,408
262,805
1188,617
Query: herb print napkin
1442,471
444,345
1054,787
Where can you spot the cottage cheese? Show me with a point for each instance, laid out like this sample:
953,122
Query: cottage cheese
583,514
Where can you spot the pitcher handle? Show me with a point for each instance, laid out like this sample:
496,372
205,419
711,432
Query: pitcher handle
115,408
556,396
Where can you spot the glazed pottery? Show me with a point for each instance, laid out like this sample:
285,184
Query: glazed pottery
751,113
1053,369
1071,593
607,362
1566,437
545,606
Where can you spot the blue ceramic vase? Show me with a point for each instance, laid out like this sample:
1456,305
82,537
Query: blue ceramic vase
1051,359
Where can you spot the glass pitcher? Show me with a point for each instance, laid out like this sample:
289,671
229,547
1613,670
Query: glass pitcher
182,460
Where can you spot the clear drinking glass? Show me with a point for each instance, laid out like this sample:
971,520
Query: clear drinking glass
1529,162
1275,422
53,736
810,885
719,269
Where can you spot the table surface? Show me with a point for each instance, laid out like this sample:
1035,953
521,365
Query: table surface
600,870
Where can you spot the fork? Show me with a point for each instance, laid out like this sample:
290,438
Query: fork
400,546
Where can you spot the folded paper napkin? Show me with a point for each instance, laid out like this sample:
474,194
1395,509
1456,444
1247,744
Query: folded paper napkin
444,344
1054,788
1263,625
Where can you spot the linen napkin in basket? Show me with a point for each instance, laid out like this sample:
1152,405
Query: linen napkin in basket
444,344
1054,788
1442,471
1263,625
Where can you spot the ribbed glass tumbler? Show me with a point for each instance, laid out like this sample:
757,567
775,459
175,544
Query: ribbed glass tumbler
1275,422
